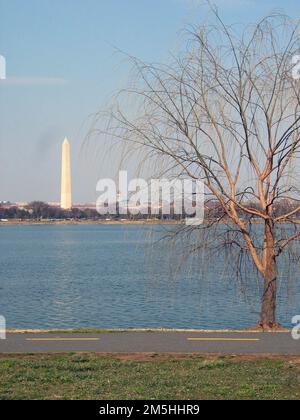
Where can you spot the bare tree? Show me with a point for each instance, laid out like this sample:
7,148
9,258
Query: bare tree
227,111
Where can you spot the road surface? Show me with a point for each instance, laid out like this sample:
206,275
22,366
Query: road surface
153,342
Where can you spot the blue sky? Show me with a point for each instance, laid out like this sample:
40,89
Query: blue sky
62,67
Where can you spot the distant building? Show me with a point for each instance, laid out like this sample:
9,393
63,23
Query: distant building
22,204
83,206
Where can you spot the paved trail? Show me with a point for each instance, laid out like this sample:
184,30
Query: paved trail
153,342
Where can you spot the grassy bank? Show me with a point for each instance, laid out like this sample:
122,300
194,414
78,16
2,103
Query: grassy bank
147,376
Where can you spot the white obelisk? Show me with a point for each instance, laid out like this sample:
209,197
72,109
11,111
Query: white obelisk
66,187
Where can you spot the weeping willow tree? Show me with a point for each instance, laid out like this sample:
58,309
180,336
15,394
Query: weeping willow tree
226,111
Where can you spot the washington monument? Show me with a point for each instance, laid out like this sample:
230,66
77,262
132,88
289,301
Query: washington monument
66,187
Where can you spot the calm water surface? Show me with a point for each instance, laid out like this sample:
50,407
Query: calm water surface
116,277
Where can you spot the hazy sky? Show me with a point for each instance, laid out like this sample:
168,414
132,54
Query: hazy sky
62,67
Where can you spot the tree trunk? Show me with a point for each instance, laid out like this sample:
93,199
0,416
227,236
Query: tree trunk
268,311
269,299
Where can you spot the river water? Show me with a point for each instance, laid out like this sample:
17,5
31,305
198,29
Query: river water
114,276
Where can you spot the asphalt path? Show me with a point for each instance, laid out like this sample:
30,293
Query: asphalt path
153,342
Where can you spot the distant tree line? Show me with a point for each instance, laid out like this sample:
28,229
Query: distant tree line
39,210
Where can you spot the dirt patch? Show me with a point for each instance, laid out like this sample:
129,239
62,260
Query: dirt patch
259,329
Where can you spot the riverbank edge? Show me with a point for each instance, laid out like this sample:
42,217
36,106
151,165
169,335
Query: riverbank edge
141,330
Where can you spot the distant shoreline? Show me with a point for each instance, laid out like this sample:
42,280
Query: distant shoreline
104,222
90,222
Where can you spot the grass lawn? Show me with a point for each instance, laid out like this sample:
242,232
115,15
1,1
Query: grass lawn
147,377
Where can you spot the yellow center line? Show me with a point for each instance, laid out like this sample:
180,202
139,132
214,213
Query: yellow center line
62,339
224,339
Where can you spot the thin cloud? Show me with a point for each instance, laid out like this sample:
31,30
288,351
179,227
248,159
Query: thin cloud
33,81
